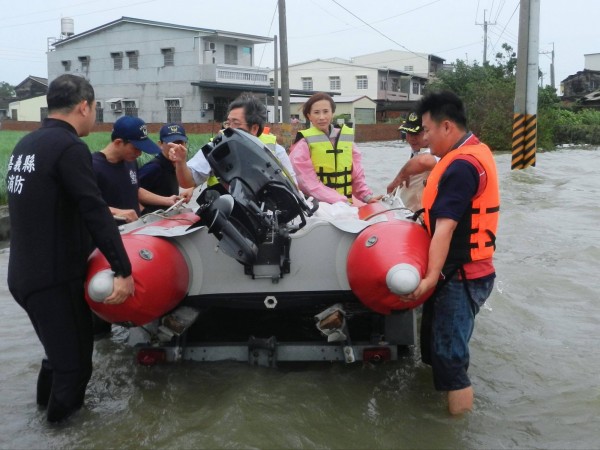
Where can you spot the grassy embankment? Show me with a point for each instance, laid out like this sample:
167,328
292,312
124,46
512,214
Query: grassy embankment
96,142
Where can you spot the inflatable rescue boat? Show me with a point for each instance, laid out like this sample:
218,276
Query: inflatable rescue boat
257,259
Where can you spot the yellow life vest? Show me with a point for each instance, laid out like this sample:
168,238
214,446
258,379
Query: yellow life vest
270,140
333,165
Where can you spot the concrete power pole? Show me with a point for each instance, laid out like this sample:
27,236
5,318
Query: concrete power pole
285,78
485,33
524,139
276,83
552,79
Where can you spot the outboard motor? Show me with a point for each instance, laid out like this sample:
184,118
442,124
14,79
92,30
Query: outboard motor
266,207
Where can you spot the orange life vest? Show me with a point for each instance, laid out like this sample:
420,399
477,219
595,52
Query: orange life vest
475,236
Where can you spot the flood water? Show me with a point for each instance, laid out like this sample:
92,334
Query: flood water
534,367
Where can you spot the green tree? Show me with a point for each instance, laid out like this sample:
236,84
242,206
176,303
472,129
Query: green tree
489,93
507,61
6,90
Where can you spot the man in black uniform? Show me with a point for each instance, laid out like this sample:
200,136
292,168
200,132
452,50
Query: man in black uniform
158,175
116,170
57,215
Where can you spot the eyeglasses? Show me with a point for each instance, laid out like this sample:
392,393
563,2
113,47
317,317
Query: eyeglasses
234,123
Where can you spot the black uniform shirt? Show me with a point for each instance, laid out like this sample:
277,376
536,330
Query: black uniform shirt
158,176
118,182
55,206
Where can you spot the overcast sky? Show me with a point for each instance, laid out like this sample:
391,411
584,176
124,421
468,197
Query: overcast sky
451,29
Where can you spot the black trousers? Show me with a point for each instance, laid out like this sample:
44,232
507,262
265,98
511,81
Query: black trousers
63,322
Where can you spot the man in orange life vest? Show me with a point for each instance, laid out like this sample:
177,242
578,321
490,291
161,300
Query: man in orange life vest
462,203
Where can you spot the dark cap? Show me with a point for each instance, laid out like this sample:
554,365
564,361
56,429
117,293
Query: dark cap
172,132
133,129
412,124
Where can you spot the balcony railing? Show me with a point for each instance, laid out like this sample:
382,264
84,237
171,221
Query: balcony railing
224,73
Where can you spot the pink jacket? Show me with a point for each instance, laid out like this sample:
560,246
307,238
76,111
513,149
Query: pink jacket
309,183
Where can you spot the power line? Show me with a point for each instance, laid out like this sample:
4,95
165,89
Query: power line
376,30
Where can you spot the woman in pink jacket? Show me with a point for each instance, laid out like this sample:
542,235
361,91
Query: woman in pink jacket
326,160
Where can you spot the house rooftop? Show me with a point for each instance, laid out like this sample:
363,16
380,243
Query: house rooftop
220,33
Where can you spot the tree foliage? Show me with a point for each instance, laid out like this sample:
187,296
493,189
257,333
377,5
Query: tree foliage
6,90
489,92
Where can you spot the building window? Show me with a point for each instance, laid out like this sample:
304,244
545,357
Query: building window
409,68
130,108
66,65
231,55
384,84
132,57
169,56
362,82
173,106
415,89
99,112
85,63
307,84
246,57
395,86
44,112
335,84
117,60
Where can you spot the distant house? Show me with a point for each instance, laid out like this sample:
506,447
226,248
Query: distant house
349,79
162,72
395,80
580,84
583,83
30,104
31,87
591,100
422,64
32,109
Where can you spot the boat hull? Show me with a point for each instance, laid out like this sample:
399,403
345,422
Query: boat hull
328,263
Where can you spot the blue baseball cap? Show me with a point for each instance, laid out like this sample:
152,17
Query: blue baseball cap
133,129
172,132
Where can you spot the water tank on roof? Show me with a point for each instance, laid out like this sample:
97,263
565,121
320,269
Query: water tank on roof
67,27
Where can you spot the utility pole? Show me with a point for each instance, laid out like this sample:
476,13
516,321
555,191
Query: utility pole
524,139
552,79
285,76
485,33
276,83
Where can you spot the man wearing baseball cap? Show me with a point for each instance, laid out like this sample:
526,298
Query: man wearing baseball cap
411,177
116,170
158,175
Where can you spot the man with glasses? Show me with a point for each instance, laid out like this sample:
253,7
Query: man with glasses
245,113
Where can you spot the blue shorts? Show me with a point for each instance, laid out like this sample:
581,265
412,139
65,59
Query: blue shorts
446,328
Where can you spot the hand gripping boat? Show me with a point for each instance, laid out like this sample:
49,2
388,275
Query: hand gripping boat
257,274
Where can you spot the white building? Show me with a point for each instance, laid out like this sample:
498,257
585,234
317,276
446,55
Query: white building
29,110
422,64
355,80
161,72
592,61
